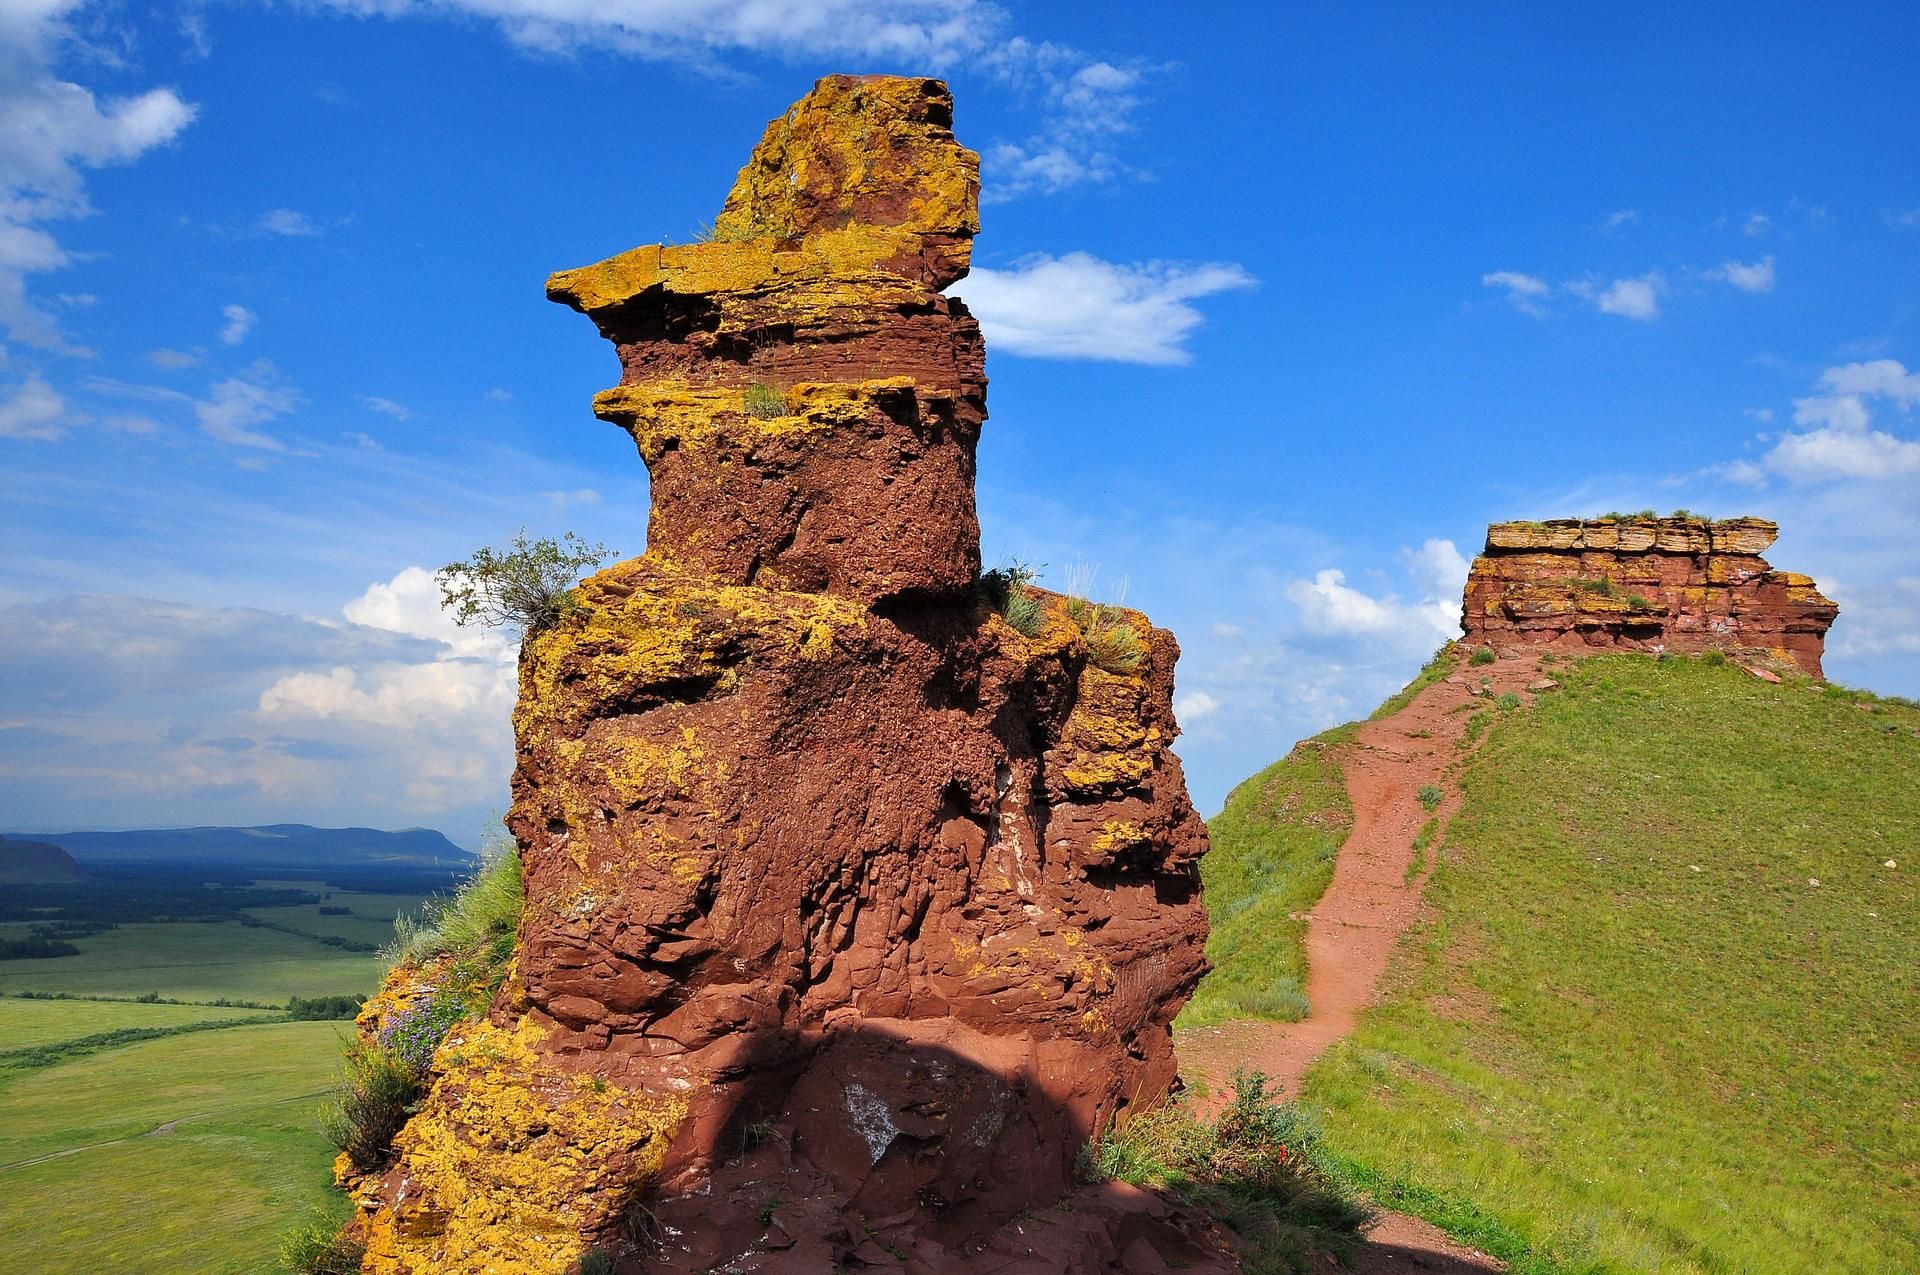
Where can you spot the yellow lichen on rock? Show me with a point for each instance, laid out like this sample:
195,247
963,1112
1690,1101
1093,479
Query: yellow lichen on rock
667,415
512,1161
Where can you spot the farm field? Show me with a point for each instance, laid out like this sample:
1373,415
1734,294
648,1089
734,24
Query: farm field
209,1137
203,1146
200,961
28,1023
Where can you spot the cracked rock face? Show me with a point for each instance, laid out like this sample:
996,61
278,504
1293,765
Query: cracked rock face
1650,584
852,911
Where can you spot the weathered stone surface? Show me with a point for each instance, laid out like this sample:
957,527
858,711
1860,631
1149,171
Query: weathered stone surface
1644,584
851,910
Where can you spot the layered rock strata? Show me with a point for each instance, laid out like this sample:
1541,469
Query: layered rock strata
1644,583
852,910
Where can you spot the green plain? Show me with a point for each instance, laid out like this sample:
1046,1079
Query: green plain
194,1153
198,962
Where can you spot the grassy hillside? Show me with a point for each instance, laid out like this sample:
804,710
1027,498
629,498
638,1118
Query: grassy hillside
1274,845
1664,1014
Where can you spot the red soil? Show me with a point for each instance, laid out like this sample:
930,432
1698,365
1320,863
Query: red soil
1352,931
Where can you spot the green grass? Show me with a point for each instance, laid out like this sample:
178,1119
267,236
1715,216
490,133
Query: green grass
197,962
1444,663
1633,1035
28,1024
1273,850
1421,840
238,1162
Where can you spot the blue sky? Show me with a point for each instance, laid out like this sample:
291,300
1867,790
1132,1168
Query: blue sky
1284,304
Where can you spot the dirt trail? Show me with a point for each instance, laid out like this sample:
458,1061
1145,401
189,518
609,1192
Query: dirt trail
1352,931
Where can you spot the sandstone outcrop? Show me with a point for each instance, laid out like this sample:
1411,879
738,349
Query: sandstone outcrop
1644,583
852,910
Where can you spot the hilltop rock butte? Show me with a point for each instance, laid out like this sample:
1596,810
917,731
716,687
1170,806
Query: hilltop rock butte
1644,583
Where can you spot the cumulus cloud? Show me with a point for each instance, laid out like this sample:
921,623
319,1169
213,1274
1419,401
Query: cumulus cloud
287,222
1328,606
147,711
1194,706
1525,292
240,321
34,412
1757,277
56,129
1080,307
1757,225
1841,435
1629,298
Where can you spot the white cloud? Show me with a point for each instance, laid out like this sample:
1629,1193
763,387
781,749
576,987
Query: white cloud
1524,291
131,423
1885,377
1080,307
1757,225
1629,298
1330,607
172,360
442,724
386,407
1227,632
498,395
240,321
1757,277
53,130
1623,217
237,404
34,413
288,222
578,496
1438,567
1193,706
1906,218
1086,104
1843,442
931,33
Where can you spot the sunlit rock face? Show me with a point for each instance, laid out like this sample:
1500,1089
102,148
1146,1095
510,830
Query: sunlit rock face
852,910
1644,583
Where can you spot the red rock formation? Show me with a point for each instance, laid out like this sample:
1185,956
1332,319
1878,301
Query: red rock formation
1647,584
852,911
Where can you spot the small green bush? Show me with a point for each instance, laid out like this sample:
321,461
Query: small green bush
318,1247
1421,840
1640,602
1254,1167
1600,585
323,1008
595,1261
1508,702
764,402
1005,589
1476,727
526,588
1482,655
1112,643
1431,795
377,1087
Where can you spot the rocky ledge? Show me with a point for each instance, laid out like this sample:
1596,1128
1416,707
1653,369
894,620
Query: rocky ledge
1644,583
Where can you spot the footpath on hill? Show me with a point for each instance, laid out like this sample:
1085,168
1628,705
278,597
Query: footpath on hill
1374,896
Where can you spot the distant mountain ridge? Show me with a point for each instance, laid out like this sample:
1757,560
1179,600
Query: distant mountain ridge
278,845
25,862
